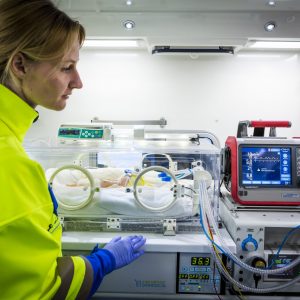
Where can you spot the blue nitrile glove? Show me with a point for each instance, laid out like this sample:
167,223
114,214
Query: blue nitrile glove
102,262
116,254
125,250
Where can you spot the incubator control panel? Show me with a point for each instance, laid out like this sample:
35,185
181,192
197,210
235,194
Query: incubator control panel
85,132
80,133
197,274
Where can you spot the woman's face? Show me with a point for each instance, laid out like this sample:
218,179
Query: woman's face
50,85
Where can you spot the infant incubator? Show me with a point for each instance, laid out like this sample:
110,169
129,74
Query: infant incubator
130,184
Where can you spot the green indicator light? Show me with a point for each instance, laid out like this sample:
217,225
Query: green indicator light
277,261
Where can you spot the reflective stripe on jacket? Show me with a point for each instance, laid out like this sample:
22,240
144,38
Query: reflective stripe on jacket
31,262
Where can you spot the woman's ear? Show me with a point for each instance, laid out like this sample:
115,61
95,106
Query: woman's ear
19,65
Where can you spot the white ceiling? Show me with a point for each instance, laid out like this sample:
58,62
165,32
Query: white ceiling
176,5
187,22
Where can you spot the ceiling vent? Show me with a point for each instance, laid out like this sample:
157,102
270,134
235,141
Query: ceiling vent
193,50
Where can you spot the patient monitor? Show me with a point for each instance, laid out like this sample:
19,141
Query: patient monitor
263,170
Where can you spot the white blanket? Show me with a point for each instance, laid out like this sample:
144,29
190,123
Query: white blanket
120,202
115,199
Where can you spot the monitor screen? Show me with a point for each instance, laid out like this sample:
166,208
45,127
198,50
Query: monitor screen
265,166
276,261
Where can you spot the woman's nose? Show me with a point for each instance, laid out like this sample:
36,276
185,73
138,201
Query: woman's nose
76,81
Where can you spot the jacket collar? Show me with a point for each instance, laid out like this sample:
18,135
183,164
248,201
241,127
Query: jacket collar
15,113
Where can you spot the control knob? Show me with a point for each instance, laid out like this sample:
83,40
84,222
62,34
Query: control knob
249,244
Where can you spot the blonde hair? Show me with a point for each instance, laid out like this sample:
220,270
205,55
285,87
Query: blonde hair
38,30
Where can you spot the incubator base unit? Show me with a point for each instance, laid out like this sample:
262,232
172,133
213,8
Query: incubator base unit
173,267
128,185
265,238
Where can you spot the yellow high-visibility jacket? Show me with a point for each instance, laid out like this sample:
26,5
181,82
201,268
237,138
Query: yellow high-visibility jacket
31,262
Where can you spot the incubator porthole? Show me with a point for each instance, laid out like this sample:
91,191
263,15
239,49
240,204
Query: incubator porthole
73,186
153,189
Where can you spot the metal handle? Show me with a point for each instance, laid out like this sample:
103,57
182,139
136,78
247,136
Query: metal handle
259,127
263,124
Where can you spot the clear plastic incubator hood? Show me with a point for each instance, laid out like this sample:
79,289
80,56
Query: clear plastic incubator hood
124,183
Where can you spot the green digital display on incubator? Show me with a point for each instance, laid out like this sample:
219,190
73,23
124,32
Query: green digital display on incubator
194,276
200,261
183,276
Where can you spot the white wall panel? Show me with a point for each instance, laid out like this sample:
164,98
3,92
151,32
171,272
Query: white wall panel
210,93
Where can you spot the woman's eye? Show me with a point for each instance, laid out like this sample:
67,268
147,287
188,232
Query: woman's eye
66,69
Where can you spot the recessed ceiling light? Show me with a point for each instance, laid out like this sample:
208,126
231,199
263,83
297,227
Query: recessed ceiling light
271,2
270,26
129,24
128,2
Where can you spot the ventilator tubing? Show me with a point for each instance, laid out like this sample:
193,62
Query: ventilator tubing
207,211
246,288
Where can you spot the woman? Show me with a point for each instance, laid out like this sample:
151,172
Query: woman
39,51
